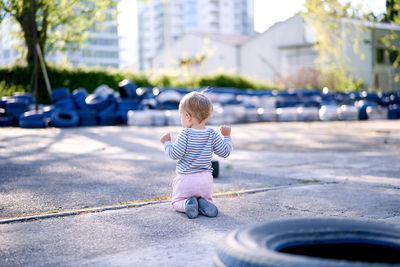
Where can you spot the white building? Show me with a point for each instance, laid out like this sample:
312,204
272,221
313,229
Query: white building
202,53
286,49
279,52
283,52
163,22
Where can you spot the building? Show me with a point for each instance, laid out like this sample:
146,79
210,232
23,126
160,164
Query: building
163,22
202,53
284,52
101,48
279,52
8,52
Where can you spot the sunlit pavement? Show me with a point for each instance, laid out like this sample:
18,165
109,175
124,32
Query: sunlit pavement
347,169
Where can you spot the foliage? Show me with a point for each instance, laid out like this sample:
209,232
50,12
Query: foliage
61,24
19,79
335,24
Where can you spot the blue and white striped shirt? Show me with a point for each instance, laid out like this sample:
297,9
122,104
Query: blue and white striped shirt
193,149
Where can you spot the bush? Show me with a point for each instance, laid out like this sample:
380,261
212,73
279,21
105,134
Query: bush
20,79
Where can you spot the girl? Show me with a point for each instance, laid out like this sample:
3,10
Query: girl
192,187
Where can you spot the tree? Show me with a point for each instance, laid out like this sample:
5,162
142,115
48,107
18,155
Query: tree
335,21
61,24
392,11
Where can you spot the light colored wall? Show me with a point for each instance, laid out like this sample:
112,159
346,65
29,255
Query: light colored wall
260,56
221,56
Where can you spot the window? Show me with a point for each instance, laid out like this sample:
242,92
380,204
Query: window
103,41
386,56
100,53
6,53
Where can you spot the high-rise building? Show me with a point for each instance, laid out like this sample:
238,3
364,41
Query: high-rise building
101,48
162,22
8,51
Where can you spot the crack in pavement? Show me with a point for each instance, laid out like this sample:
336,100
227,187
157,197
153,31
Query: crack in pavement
54,214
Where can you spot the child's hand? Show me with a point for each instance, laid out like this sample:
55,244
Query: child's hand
225,130
166,137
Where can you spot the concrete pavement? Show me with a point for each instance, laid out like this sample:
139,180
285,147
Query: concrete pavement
346,169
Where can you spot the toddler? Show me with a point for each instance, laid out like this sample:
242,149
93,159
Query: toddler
193,148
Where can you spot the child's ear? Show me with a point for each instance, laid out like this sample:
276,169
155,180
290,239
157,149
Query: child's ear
188,116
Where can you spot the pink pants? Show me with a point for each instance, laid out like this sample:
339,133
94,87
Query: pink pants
199,184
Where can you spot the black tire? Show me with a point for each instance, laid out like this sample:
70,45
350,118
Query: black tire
312,242
215,166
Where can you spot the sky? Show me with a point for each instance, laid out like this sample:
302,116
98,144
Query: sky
266,13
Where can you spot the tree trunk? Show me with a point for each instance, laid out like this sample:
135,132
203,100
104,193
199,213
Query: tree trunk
25,20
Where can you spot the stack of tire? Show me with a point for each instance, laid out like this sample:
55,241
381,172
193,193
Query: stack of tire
13,108
392,102
105,102
129,99
371,107
64,113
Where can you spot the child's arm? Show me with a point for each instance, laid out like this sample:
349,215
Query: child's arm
178,149
223,147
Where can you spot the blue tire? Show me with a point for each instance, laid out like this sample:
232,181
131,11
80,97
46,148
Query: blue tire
79,97
32,119
7,121
47,111
127,89
87,117
3,102
24,97
15,107
59,93
362,113
394,112
109,116
64,118
96,102
65,104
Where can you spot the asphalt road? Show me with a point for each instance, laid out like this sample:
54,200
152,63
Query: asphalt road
340,169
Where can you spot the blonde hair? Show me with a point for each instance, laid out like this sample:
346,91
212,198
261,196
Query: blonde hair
197,104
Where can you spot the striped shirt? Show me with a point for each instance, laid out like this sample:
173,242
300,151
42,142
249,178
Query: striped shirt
193,149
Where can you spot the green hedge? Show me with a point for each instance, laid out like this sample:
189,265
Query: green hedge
20,79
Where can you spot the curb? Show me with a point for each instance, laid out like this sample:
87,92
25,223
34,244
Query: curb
141,204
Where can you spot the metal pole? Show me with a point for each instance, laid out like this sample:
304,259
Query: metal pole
35,72
46,77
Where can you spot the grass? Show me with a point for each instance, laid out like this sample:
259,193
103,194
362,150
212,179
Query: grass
305,181
228,167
